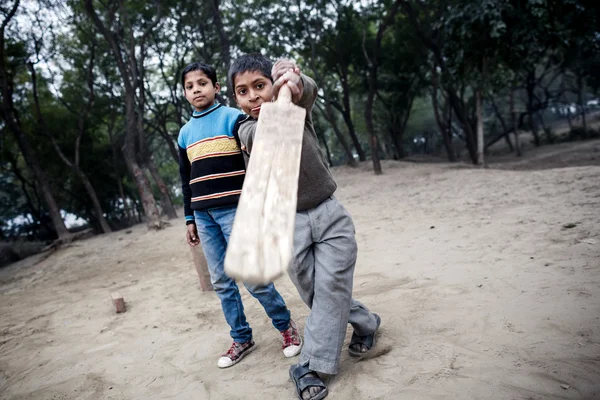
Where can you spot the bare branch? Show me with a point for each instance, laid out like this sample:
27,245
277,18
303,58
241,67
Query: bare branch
10,15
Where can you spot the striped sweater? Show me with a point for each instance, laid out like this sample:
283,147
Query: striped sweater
211,164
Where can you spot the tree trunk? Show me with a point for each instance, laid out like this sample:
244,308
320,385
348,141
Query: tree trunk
94,199
169,142
446,136
373,139
74,166
449,133
383,148
129,155
348,117
398,120
225,43
353,136
565,100
503,123
328,112
10,117
534,130
129,213
530,107
35,211
581,104
42,181
129,76
167,202
513,118
547,131
542,122
397,140
465,123
455,101
480,143
444,130
148,203
373,65
458,107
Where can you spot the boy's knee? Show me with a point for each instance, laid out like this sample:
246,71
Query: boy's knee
224,285
257,290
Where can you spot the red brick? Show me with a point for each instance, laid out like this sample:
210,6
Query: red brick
118,302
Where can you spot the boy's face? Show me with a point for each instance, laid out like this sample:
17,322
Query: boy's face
251,90
199,90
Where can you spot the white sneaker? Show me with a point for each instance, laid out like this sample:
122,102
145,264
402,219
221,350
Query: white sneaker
236,352
292,341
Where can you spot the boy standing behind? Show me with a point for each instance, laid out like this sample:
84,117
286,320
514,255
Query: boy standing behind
325,247
212,172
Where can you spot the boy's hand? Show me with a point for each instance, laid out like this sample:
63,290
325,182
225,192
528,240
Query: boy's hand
192,235
286,72
282,66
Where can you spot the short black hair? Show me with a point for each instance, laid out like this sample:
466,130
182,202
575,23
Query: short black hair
249,63
209,70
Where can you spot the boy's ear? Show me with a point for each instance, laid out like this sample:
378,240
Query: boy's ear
217,87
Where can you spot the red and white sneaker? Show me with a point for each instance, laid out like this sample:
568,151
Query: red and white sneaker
236,352
292,342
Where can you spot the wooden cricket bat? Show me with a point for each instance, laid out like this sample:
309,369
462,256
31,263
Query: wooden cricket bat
261,244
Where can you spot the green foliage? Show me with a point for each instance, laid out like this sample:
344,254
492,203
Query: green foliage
546,50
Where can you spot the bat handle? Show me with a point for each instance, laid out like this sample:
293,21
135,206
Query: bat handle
285,94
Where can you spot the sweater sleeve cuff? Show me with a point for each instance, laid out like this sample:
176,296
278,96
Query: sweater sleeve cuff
189,219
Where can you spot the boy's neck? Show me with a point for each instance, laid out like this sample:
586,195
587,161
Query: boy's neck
200,112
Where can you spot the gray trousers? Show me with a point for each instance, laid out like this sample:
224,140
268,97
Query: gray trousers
323,271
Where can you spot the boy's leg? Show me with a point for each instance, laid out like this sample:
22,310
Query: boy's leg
302,270
334,257
362,320
267,295
214,245
273,304
280,316
302,274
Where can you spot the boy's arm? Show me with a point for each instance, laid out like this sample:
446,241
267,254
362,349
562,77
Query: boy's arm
309,93
245,132
185,171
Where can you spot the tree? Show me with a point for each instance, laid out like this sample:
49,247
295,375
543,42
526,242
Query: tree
11,58
83,115
118,22
429,26
373,63
312,58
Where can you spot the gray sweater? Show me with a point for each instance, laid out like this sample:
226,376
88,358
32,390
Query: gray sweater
315,183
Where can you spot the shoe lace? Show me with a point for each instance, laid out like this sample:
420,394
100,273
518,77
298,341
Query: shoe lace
288,338
233,349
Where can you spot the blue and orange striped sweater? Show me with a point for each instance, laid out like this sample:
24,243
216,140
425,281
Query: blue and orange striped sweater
211,164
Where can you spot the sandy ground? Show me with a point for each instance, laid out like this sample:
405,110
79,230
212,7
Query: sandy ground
487,281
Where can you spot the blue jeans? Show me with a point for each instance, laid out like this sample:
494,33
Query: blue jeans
214,227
